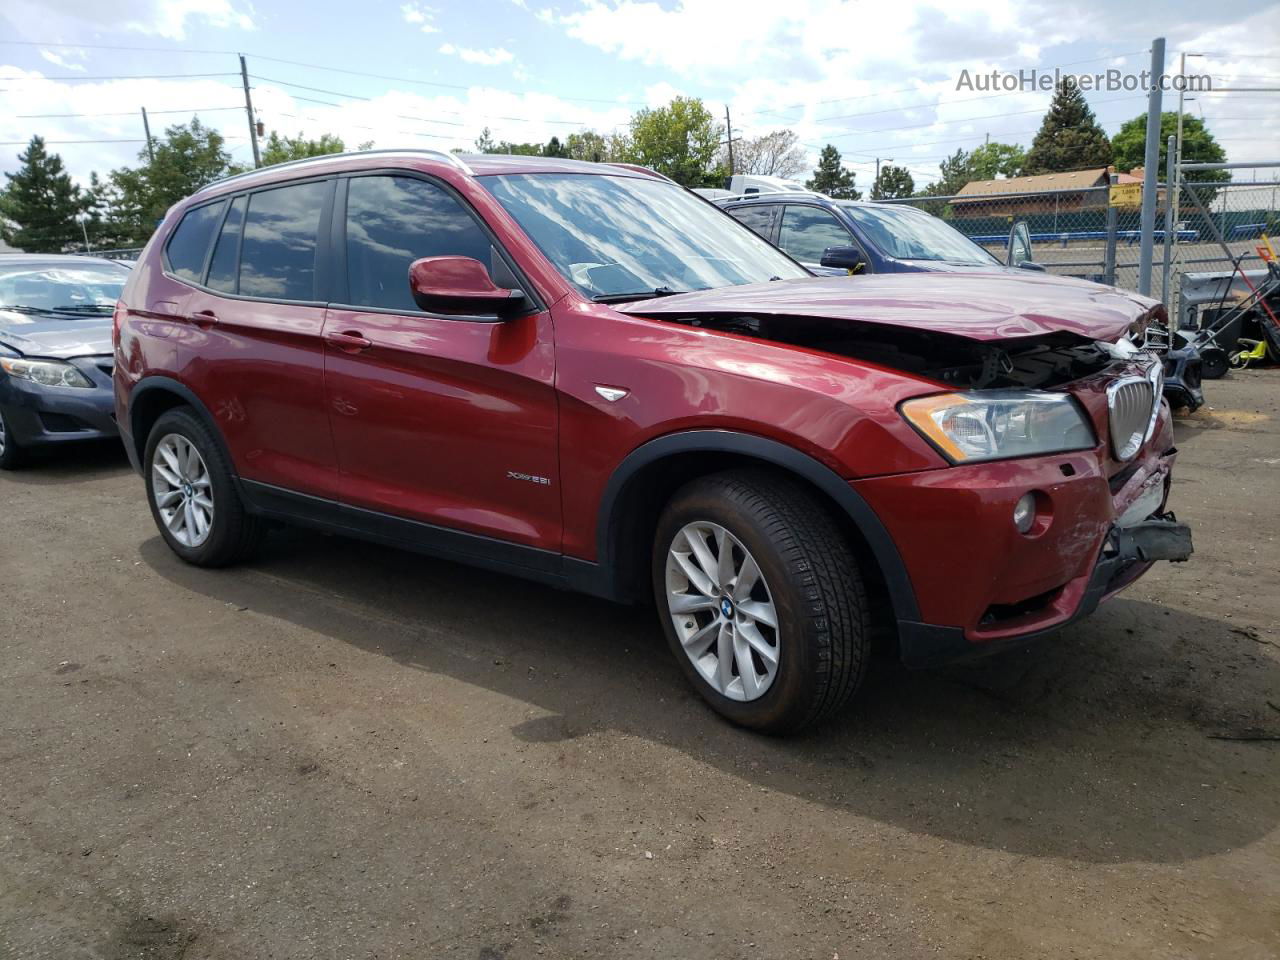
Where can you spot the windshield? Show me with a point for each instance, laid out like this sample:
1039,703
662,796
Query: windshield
617,236
909,234
88,288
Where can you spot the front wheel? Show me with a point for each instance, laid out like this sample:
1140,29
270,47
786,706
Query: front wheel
192,493
12,456
761,599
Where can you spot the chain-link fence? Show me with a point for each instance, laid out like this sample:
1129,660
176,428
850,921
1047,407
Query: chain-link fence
1078,233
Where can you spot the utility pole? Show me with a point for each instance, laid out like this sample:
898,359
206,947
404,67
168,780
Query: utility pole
1151,170
248,107
146,129
877,179
728,135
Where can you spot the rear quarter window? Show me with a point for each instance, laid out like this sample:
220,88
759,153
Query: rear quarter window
188,248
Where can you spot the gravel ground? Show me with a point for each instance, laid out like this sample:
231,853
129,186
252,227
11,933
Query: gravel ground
341,751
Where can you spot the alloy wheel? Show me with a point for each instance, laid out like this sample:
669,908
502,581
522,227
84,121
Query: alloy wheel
722,610
3,435
182,489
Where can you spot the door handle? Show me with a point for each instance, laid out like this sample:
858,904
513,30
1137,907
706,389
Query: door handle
205,319
349,341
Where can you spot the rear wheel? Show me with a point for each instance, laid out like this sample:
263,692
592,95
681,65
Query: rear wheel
1214,363
761,599
192,494
11,455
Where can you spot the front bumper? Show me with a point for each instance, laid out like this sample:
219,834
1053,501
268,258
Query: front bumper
980,585
38,415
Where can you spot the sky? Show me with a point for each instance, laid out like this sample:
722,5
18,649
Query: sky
875,79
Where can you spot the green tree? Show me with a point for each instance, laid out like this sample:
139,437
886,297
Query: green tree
40,204
680,140
555,148
992,160
832,177
1198,146
954,173
280,149
188,157
893,182
588,145
1069,137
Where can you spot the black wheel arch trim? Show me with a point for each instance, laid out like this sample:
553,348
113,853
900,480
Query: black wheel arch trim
860,513
136,447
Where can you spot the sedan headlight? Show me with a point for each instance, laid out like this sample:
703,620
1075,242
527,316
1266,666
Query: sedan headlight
999,424
50,373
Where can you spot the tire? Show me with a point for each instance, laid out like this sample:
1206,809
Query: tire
12,456
1214,363
231,533
822,640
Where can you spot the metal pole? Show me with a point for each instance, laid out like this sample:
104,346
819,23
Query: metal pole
1170,230
1109,257
1150,168
85,230
146,129
728,136
248,108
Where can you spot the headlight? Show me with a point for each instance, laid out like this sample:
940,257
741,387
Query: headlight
50,373
999,424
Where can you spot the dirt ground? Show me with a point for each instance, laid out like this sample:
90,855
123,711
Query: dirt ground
342,751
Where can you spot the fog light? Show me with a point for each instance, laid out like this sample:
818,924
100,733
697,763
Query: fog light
1024,512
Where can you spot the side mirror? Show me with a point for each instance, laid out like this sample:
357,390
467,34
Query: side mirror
843,258
1019,246
1032,265
461,286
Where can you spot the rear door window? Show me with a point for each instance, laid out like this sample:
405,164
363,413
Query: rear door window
224,268
759,217
278,252
189,245
808,231
393,221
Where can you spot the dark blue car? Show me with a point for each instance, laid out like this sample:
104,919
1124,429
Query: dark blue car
882,237
55,350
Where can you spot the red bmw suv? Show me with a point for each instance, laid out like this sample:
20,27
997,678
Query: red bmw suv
589,376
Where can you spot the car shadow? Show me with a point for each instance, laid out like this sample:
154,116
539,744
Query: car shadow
80,462
1096,745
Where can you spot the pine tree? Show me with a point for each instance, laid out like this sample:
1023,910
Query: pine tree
893,183
41,203
832,178
1069,137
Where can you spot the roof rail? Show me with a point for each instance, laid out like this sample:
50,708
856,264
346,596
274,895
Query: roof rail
451,158
637,168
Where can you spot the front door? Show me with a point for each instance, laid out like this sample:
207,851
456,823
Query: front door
446,421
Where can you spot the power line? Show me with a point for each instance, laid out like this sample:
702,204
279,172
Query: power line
123,113
23,143
131,76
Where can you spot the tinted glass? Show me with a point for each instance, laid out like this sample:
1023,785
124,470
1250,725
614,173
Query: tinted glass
910,234
84,288
278,255
189,244
758,218
808,231
613,235
223,267
393,221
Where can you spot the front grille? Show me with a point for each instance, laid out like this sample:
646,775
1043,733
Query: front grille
1133,404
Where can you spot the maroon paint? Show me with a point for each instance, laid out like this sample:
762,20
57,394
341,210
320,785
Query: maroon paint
425,417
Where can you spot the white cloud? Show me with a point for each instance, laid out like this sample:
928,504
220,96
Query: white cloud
171,19
493,57
64,60
420,16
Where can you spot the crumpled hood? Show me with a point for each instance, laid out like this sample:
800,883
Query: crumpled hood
56,337
978,306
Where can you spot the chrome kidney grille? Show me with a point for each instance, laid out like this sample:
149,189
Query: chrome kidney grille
1134,406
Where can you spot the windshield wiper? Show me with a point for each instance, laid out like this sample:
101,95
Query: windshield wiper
637,295
93,309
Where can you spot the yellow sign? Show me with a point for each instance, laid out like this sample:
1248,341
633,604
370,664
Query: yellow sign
1126,195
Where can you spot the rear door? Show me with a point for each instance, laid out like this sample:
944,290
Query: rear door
448,421
254,337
